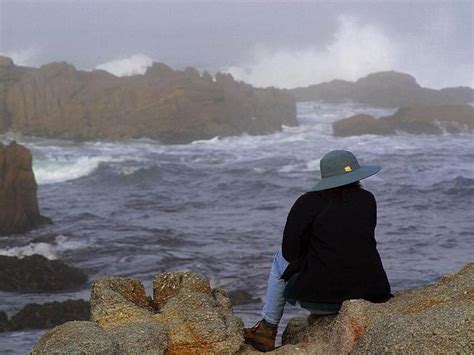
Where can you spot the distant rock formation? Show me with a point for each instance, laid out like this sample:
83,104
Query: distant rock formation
185,316
35,273
58,101
384,89
414,119
46,315
19,210
433,319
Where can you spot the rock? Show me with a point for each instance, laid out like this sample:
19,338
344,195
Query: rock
35,273
187,316
430,319
49,315
198,320
173,106
117,300
239,297
140,338
413,119
385,89
19,210
76,338
4,322
433,119
361,124
168,284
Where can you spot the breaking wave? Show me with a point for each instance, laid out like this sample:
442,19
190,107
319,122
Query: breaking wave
48,250
133,65
54,171
356,50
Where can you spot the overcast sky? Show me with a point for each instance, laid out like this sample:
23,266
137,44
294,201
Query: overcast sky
264,43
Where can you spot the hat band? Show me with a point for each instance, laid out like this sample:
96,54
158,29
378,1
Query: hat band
347,169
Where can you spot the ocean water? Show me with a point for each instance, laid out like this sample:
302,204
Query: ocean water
218,207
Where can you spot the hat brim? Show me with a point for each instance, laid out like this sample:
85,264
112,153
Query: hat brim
347,178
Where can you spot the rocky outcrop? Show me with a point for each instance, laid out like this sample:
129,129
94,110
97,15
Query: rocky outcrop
45,316
433,319
19,210
414,119
173,106
184,316
361,124
35,273
385,89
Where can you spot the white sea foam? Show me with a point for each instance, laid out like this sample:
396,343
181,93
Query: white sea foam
50,251
61,170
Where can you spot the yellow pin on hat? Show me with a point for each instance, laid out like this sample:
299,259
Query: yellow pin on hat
347,169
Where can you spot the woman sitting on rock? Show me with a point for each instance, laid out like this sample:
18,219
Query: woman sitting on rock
328,252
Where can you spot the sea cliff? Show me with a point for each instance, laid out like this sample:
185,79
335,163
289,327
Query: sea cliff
174,106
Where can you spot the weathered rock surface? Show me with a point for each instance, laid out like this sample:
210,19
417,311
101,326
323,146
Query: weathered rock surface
117,301
185,316
19,210
385,89
188,317
35,273
59,101
78,337
415,119
431,319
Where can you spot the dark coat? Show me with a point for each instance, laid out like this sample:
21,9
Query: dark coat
331,244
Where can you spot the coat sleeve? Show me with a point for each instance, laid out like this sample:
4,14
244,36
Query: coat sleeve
297,227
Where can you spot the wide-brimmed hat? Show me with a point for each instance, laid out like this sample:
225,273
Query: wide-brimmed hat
340,167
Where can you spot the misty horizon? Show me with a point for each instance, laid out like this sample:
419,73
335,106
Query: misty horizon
262,43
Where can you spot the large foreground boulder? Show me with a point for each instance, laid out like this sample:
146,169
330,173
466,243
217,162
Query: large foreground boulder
185,316
433,319
35,273
19,210
174,106
415,119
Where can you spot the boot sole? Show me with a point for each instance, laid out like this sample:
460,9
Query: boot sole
259,346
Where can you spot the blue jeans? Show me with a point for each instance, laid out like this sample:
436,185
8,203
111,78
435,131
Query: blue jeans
274,300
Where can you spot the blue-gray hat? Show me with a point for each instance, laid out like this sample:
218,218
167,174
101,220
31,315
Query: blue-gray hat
340,167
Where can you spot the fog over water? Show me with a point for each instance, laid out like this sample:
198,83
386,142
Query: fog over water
264,43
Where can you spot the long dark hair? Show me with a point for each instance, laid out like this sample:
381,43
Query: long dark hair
335,194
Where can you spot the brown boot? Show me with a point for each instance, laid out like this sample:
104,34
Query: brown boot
261,336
